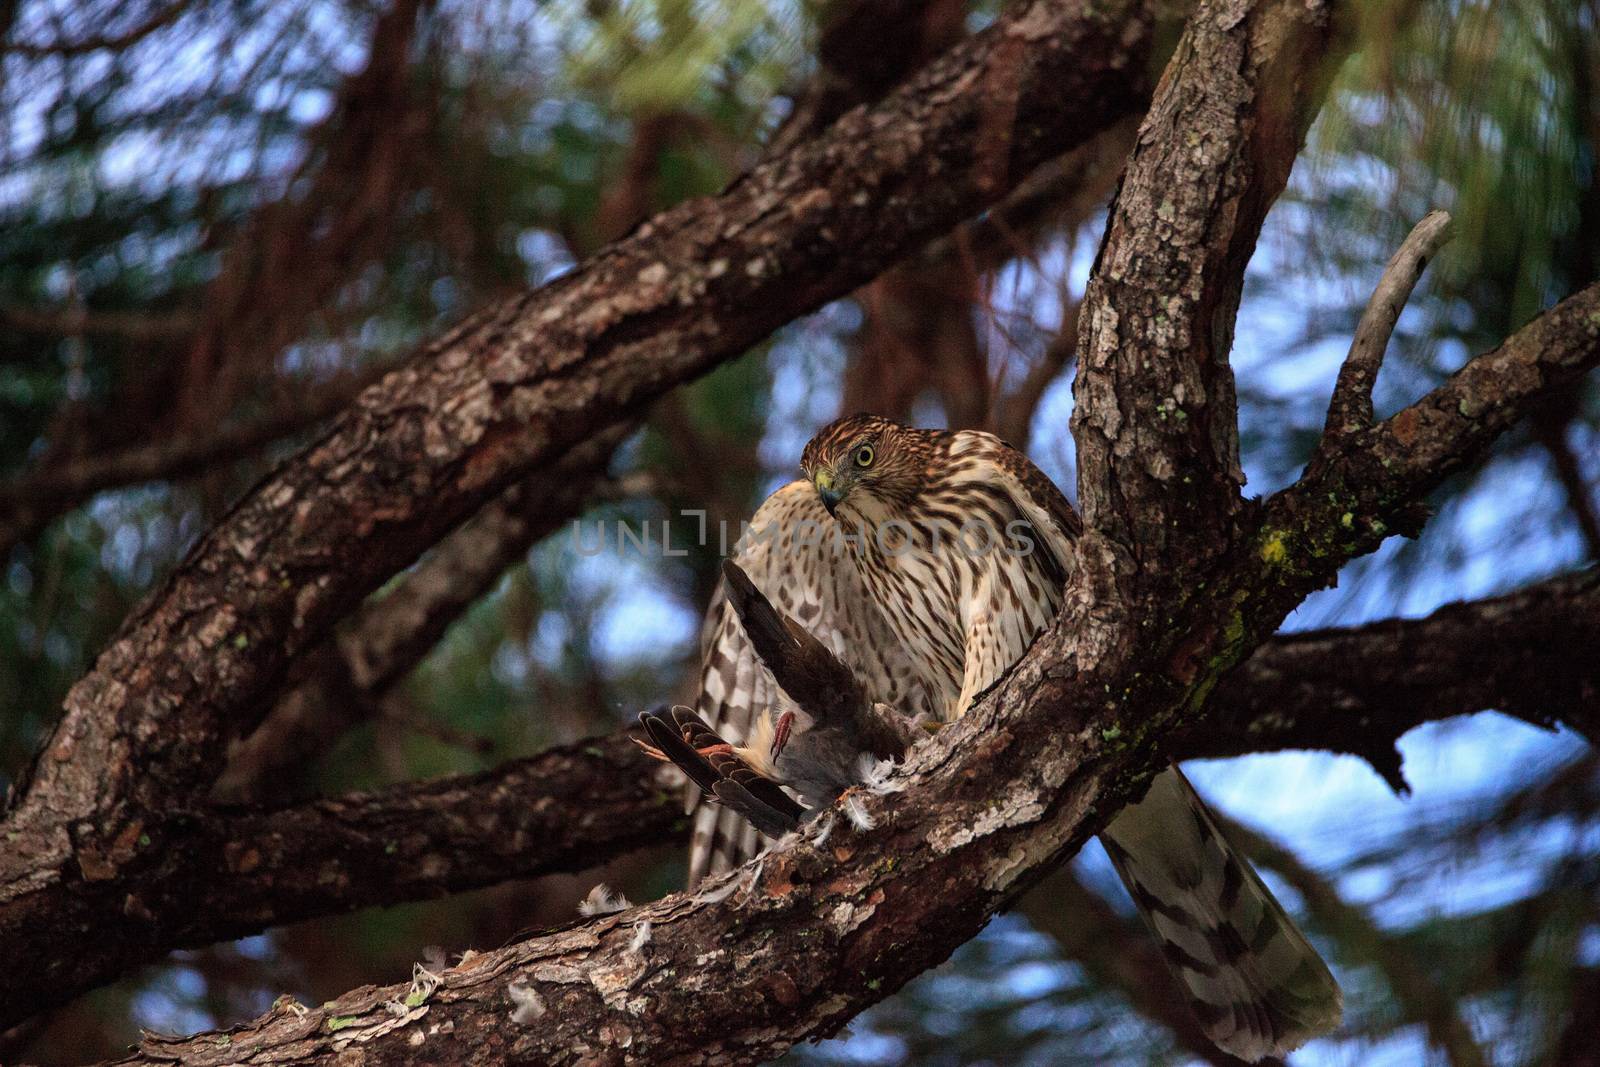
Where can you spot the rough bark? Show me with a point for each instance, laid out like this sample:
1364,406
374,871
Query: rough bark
796,944
229,872
344,680
1353,691
512,389
234,872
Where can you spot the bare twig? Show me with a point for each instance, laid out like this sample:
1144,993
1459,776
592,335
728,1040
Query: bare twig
1351,407
32,500
163,16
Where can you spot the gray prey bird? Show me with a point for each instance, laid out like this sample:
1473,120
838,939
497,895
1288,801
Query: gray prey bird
925,624
846,737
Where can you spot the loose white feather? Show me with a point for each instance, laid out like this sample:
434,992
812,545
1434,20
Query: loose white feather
527,1004
602,901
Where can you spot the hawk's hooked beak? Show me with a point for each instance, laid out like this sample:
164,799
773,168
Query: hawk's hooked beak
828,489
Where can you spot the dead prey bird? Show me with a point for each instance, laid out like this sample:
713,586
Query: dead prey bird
847,738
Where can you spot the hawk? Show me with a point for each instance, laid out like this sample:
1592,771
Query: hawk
928,561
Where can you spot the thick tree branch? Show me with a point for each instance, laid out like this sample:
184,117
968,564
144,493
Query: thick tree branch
1359,690
798,942
564,810
1341,690
1156,418
513,388
344,680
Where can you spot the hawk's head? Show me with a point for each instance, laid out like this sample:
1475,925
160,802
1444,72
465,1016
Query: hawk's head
867,456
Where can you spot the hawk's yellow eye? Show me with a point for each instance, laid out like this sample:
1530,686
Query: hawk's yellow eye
864,456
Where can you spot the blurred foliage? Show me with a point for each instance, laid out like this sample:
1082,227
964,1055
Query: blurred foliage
171,169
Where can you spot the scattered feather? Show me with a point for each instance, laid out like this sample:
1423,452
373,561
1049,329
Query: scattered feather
641,936
527,1004
877,775
824,827
856,811
721,892
423,983
749,882
602,901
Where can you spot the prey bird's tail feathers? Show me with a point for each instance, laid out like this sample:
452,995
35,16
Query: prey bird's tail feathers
808,672
1256,984
719,769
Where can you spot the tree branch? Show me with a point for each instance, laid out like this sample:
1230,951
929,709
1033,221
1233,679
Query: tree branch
1351,407
1358,691
229,872
1342,690
1374,481
32,500
1155,420
343,681
511,389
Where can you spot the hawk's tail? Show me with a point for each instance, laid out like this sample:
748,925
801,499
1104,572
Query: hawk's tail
1257,986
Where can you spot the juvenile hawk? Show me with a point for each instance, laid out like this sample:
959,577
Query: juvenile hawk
955,552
